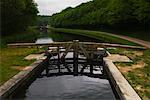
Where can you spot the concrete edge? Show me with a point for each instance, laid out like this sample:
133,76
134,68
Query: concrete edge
20,79
108,53
120,84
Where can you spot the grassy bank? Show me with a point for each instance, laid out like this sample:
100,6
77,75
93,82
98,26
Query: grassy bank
94,34
136,72
139,33
12,61
143,35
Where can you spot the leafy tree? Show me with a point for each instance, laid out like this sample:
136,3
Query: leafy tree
16,15
108,13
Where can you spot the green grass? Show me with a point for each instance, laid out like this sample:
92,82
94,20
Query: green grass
143,35
11,58
139,77
102,36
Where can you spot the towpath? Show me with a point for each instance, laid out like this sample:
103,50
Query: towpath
135,40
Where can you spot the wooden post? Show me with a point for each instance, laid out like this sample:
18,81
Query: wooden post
82,70
47,71
58,52
75,57
91,63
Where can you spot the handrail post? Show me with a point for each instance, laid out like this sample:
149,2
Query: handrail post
91,63
75,56
58,51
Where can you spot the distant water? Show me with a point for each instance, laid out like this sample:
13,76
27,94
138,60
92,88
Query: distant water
50,37
69,87
44,40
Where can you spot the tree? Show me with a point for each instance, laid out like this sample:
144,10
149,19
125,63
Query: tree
16,15
108,13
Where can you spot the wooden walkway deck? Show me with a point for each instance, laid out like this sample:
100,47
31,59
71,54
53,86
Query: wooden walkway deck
65,44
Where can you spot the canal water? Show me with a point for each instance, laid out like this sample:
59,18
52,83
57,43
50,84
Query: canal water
66,87
52,36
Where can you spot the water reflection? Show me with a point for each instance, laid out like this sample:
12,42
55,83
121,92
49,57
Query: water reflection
68,87
52,36
44,40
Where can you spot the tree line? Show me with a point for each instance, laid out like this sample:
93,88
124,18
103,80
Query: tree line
16,15
105,13
42,20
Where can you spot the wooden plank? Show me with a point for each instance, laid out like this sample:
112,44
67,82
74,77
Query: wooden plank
58,60
83,50
65,44
91,63
55,44
104,45
66,51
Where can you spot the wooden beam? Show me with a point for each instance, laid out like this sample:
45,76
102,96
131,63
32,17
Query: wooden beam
84,66
66,66
104,45
83,50
58,59
66,51
75,56
91,63
54,44
65,44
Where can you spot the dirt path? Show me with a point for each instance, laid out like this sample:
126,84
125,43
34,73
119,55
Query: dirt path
138,41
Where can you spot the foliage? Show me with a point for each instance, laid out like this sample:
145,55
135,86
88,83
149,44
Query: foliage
105,13
16,15
42,20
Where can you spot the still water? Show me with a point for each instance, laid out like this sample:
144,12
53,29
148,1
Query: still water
67,87
51,36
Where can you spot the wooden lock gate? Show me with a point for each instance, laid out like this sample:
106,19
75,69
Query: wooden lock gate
85,54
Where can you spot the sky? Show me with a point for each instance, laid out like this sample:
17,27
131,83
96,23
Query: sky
49,7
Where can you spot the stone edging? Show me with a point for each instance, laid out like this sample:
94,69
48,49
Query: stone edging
120,84
21,78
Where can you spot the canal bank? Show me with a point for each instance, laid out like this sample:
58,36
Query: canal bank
16,55
123,95
119,83
22,79
96,86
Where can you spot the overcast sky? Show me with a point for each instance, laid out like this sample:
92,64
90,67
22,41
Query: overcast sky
49,7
